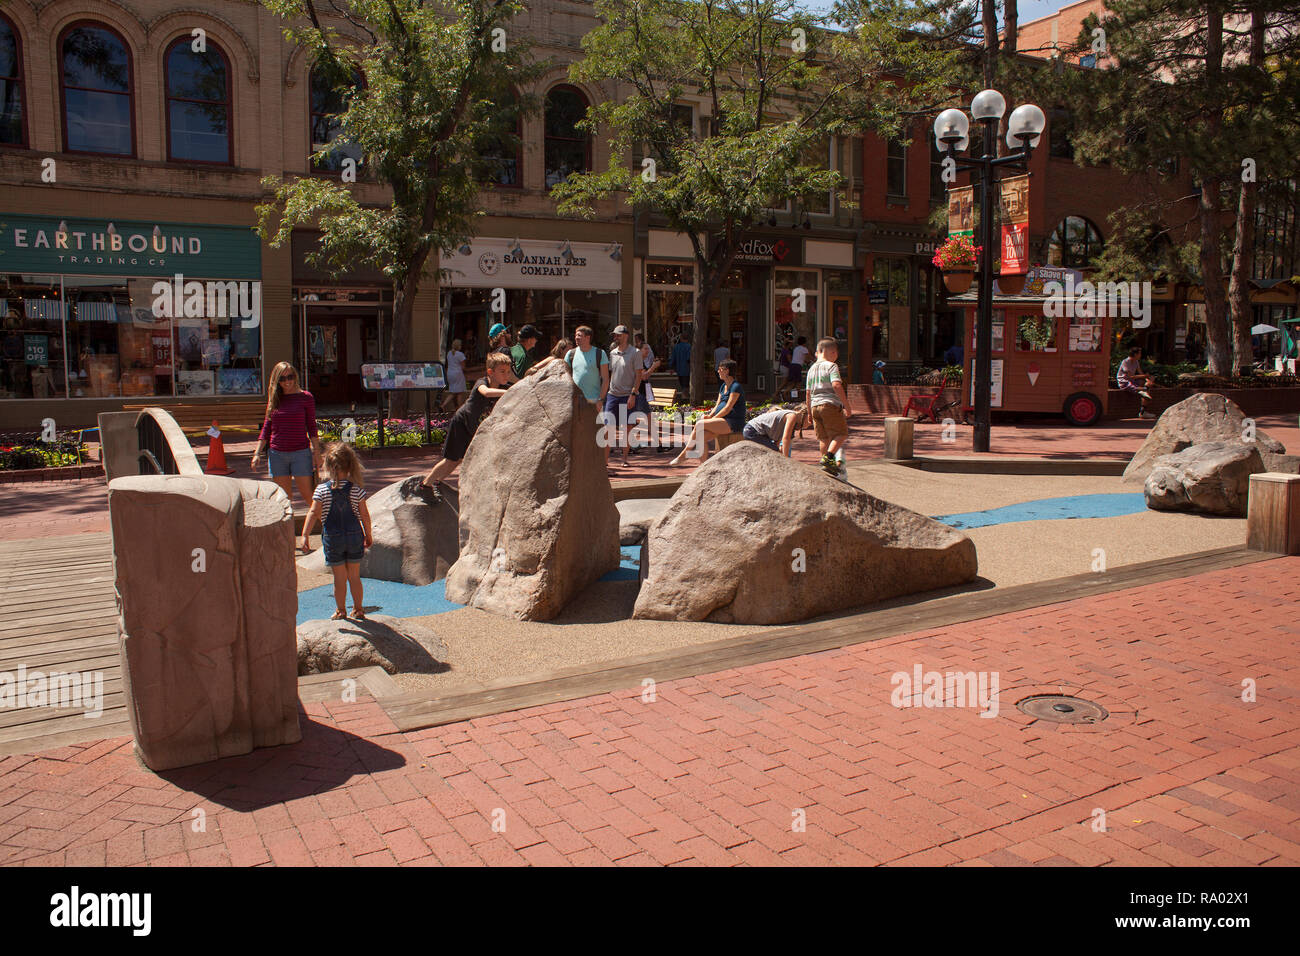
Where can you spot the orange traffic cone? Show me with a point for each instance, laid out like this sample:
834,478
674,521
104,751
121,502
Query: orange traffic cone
217,453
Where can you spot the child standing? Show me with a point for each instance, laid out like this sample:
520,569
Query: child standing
345,525
828,405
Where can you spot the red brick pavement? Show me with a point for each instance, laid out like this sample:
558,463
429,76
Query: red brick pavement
718,769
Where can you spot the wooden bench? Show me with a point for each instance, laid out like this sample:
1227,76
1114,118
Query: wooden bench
663,397
198,418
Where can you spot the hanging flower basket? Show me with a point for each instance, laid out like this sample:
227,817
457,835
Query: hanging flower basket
958,281
1011,285
957,257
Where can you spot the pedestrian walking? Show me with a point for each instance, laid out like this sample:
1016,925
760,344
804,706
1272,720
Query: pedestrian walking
456,393
589,365
289,437
521,357
878,376
680,361
728,414
624,384
828,406
345,525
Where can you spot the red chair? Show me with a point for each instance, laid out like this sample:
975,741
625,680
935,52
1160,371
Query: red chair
927,406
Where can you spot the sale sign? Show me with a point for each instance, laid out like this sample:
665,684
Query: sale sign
1015,226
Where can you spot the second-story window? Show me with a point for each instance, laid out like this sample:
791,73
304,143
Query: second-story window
329,101
97,89
11,87
568,149
896,169
198,104
500,154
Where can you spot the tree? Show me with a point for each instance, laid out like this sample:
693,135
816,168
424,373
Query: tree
773,87
1187,86
429,103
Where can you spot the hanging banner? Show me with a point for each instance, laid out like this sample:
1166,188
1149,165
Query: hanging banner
1015,226
961,211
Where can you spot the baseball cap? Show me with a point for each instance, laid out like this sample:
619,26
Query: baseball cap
496,330
529,332
621,330
880,364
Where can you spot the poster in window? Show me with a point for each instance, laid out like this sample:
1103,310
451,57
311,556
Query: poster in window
36,349
239,381
215,352
243,341
191,335
196,382
162,354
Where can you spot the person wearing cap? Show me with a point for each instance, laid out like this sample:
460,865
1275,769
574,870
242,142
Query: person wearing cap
521,359
624,382
878,376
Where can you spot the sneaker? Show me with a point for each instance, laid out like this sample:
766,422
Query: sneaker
414,487
830,466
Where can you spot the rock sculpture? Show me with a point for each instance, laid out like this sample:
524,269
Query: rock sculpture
1205,417
1213,477
398,646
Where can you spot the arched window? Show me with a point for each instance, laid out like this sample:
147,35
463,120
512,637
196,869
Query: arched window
329,101
12,127
501,153
98,88
1074,243
198,103
568,149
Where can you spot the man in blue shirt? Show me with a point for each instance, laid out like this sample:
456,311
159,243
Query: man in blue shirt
590,365
680,360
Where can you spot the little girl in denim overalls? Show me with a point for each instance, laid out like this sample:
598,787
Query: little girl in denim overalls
345,525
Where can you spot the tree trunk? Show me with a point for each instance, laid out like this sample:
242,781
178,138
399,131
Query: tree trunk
1210,216
1243,246
990,30
1217,347
1010,18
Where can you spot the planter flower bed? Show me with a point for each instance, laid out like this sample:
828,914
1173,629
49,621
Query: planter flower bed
26,451
397,431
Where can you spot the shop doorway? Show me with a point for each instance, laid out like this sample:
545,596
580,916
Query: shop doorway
729,326
331,343
326,361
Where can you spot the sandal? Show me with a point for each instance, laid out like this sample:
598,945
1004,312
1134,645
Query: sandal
358,614
340,615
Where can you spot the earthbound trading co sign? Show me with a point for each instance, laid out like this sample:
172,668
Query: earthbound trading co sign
38,244
489,263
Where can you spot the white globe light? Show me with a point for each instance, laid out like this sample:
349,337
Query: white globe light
988,104
1028,121
950,123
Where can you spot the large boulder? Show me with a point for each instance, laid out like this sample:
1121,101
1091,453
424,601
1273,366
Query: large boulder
398,646
414,542
537,516
1205,417
756,538
206,600
1213,478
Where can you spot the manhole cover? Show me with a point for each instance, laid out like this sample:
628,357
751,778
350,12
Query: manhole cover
1063,709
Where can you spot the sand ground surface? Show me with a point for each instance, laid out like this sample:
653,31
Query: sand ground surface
596,628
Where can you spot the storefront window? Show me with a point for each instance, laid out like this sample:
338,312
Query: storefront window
555,314
791,325
669,304
597,309
31,345
662,274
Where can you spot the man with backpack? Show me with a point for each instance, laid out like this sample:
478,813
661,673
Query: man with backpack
589,365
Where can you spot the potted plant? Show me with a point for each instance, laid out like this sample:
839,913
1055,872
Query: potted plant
1007,284
957,257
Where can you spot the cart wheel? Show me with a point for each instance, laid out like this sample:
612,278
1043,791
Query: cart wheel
1082,409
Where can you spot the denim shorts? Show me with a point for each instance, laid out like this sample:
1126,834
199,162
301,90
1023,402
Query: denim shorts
285,464
346,548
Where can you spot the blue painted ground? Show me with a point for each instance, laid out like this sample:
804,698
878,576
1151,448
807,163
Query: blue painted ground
1051,509
405,600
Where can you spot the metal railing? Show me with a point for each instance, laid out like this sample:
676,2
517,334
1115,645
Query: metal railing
155,456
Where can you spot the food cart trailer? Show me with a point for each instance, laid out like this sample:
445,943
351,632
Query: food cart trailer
1070,375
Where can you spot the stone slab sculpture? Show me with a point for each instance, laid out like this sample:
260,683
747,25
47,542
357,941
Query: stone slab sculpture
1213,478
1205,417
207,601
636,515
537,516
414,542
756,538
398,646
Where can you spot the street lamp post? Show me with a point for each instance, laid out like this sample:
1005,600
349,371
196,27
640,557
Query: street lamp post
951,129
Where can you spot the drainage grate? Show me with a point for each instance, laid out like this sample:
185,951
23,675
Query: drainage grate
1063,709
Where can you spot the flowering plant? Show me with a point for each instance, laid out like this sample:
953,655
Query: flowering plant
956,253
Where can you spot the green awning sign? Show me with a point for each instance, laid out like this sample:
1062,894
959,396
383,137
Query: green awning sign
49,246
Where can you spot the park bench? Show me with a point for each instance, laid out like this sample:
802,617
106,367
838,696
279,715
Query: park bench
663,397
196,419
